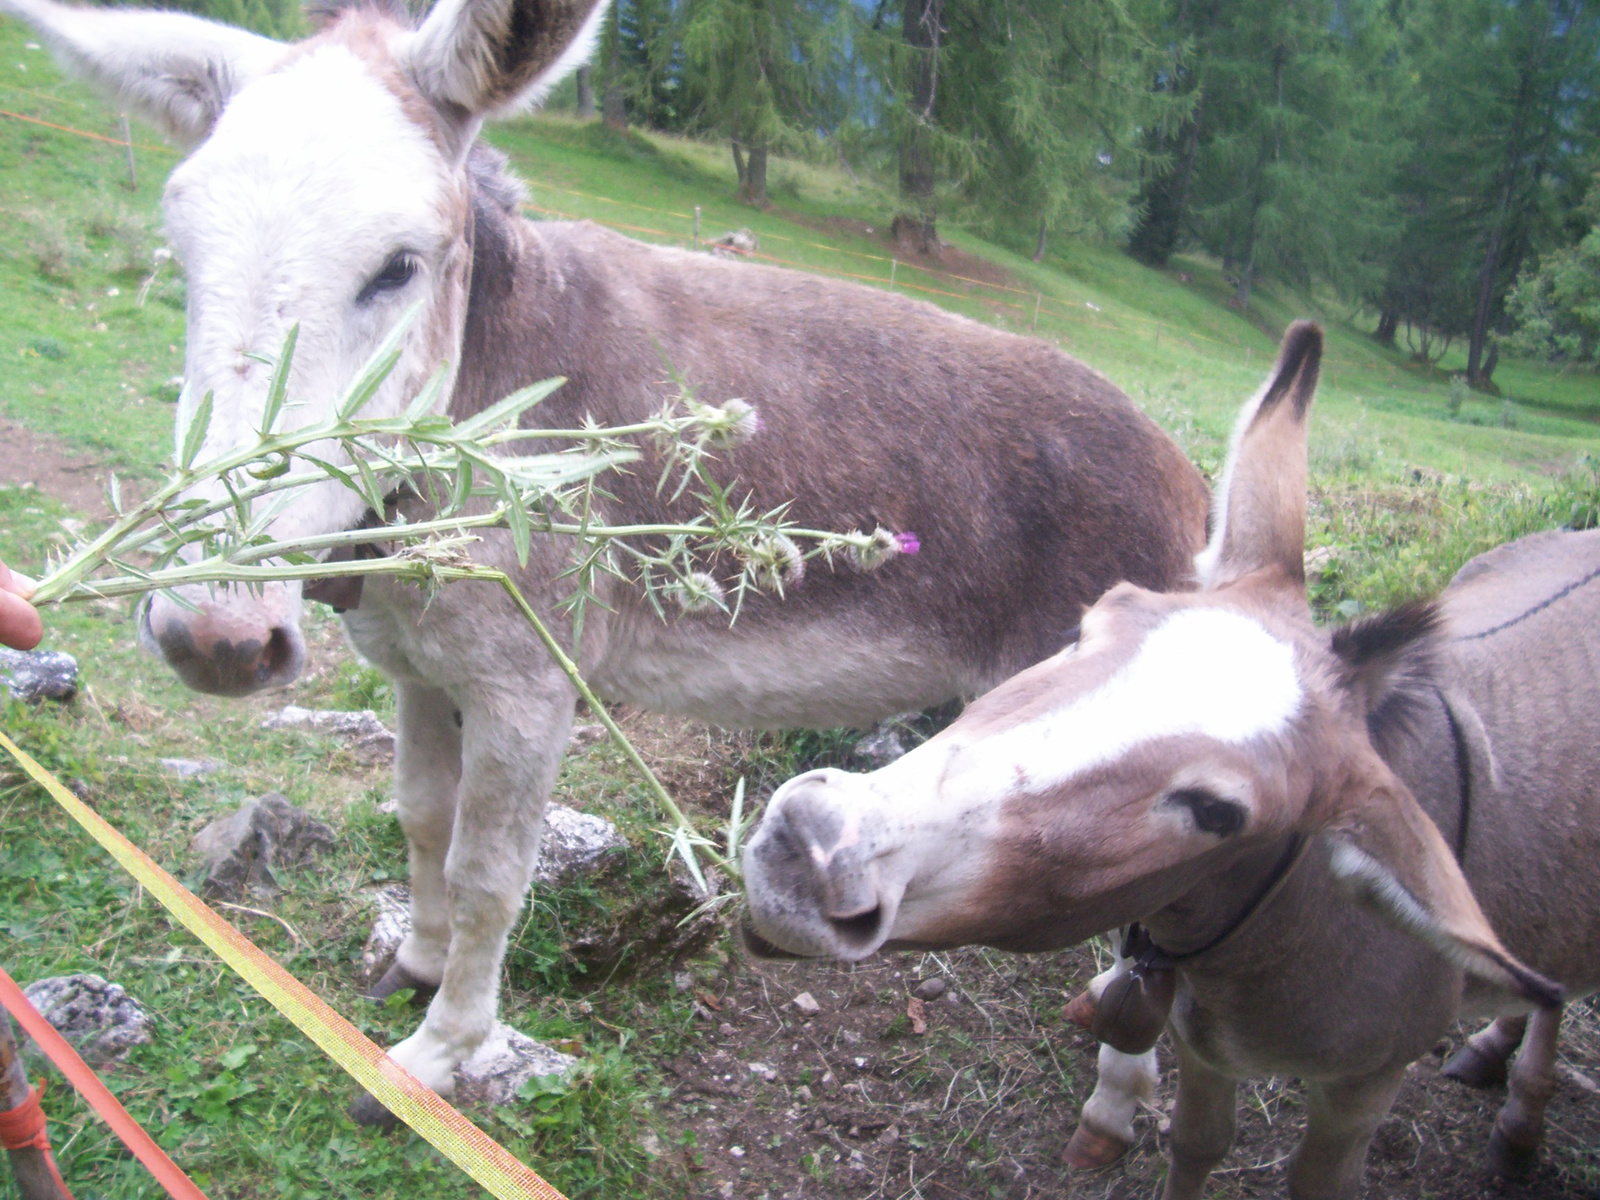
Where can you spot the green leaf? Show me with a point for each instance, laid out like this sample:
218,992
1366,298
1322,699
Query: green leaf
422,406
279,387
378,367
237,1057
195,435
507,410
517,522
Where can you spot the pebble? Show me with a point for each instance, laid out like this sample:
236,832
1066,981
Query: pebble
242,848
99,1018
807,1003
930,989
36,675
763,1071
190,768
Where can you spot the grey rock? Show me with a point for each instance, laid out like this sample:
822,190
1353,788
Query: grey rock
807,1003
190,768
881,747
391,922
736,243
929,989
504,1062
39,674
369,737
574,844
99,1018
242,849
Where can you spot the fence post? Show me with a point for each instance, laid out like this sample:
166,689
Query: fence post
35,1179
893,266
697,227
127,140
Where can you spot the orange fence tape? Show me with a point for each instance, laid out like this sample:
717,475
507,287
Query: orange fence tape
423,1109
59,1051
99,137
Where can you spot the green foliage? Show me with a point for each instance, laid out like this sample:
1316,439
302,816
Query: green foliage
1556,307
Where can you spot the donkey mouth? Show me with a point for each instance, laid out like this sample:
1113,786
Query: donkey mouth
759,947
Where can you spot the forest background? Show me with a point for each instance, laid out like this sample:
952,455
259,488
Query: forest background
1431,162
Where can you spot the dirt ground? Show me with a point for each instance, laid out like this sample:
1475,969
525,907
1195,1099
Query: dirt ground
852,1101
74,478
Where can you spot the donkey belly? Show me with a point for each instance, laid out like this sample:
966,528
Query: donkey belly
783,675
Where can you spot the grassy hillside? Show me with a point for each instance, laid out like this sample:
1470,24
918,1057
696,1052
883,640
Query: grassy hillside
91,336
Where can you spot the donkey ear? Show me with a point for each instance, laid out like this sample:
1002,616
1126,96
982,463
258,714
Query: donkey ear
1259,518
1390,858
178,71
479,58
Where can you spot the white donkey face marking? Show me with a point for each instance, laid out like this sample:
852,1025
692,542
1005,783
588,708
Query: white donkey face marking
316,201
1208,672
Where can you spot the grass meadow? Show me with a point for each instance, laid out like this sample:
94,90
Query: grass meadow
1409,480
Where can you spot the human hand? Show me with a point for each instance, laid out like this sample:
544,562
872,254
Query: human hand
20,625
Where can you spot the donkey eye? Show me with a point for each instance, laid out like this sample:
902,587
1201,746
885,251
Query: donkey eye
1211,814
396,273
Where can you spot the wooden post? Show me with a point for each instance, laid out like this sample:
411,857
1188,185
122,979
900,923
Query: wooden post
894,265
35,1179
697,227
127,140
1037,297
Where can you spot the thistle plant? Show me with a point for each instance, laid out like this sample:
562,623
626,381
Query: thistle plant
212,521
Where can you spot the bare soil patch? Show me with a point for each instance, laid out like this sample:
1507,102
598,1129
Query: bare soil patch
72,477
950,261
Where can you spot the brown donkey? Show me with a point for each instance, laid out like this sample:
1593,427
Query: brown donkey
1211,765
335,183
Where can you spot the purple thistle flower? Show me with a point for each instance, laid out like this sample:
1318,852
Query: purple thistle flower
907,543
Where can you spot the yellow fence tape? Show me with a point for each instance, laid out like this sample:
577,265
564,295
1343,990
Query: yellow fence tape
423,1109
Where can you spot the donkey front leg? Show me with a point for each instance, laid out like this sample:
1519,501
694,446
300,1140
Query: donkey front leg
427,774
511,750
1203,1124
1341,1118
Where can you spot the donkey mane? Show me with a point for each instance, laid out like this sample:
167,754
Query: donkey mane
320,14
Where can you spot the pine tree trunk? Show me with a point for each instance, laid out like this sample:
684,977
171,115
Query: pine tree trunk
1044,235
585,94
1388,324
753,179
920,25
738,162
611,107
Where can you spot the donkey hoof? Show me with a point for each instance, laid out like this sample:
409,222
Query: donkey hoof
366,1110
1474,1068
396,979
1090,1150
1509,1159
1080,1011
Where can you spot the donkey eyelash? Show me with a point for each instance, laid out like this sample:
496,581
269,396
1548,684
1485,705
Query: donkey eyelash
396,273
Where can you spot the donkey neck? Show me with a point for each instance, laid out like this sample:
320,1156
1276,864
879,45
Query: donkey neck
1205,922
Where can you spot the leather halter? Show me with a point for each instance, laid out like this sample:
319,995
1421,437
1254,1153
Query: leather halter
1147,955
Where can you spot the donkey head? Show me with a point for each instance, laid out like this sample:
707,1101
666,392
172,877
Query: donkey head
327,187
1181,731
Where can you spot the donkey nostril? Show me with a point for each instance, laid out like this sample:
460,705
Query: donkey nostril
276,657
859,930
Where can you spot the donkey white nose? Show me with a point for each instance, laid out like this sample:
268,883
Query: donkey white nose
231,646
811,877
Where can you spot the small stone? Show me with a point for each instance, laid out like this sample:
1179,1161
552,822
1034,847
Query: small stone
807,1003
725,1189
861,1064
726,1029
584,736
99,1018
1164,1126
929,989
361,730
736,1151
881,747
889,1136
505,1061
651,1144
37,675
190,768
803,1094
736,243
574,844
683,981
763,1071
242,849
389,928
